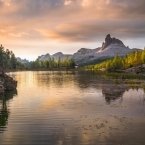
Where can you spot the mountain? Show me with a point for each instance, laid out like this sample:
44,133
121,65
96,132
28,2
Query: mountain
109,41
84,56
22,60
109,49
61,55
55,56
44,57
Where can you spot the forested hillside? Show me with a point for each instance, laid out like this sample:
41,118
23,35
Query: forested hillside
52,63
8,59
133,59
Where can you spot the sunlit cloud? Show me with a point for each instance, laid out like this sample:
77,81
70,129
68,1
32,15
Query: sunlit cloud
2,30
108,1
18,34
86,3
6,2
67,2
71,21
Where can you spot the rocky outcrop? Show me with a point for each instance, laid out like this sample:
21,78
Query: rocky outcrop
7,83
140,69
109,41
44,57
22,60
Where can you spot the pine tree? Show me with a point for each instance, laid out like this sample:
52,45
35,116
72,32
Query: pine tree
13,61
136,58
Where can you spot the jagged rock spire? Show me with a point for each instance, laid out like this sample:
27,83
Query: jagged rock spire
109,40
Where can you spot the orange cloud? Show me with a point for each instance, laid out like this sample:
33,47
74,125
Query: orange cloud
71,21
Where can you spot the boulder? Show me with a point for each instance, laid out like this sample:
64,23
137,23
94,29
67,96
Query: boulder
9,83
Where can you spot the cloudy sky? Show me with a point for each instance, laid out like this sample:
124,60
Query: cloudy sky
33,27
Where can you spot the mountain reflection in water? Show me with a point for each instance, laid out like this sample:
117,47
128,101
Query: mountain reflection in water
73,107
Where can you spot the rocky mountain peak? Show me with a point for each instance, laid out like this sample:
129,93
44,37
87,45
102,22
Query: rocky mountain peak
58,53
56,56
83,50
22,60
44,57
109,40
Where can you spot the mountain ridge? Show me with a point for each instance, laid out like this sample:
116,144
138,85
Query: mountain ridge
110,47
22,60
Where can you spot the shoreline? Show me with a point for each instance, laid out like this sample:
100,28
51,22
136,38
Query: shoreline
118,74
53,69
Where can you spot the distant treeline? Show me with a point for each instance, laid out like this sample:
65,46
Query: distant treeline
133,59
52,63
8,59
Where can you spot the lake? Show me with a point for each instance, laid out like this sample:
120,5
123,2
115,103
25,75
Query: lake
72,108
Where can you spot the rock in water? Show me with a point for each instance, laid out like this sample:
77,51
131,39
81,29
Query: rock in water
9,83
109,40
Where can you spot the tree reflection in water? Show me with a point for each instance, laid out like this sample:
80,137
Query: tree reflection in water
4,111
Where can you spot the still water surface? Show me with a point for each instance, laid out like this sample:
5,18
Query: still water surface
72,108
